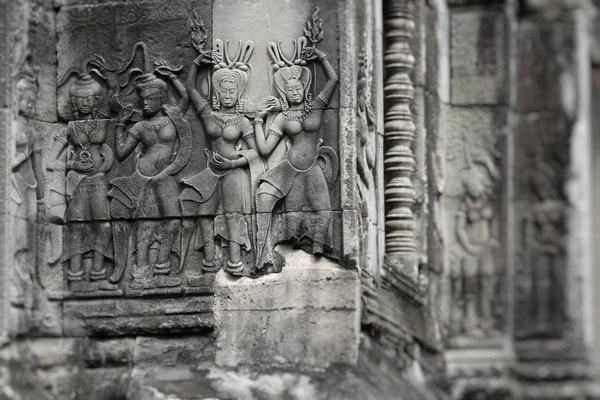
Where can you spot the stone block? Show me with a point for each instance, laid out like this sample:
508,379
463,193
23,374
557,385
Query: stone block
53,352
305,315
167,351
108,352
159,383
114,317
478,57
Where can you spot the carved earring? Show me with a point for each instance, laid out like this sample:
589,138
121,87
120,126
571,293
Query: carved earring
308,104
284,105
239,107
215,104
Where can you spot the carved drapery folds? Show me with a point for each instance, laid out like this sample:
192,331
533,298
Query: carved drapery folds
399,158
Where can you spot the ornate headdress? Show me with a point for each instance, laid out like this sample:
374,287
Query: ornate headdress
235,70
295,68
150,81
26,78
145,77
94,65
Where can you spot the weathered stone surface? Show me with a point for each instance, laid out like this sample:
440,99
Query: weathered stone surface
543,86
478,54
108,352
164,351
291,318
127,316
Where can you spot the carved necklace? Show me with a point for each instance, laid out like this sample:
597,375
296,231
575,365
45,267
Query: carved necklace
83,128
294,115
225,120
157,124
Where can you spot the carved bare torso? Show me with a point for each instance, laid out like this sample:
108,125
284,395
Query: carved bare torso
303,135
479,213
158,137
86,138
223,137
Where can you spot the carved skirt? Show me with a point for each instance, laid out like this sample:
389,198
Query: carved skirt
87,195
147,196
307,218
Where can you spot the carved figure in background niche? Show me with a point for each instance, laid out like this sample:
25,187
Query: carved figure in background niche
26,193
547,258
88,158
544,235
223,188
150,194
472,257
299,182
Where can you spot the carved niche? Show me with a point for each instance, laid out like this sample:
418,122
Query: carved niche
472,226
541,221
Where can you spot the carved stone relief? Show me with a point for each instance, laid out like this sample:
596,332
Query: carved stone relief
540,286
27,204
472,225
137,220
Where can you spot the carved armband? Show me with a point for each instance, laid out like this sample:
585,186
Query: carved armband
274,130
202,107
134,133
248,132
321,100
61,139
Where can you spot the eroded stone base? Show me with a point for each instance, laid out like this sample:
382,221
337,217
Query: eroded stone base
306,315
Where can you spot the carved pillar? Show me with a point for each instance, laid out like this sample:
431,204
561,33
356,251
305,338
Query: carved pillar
399,159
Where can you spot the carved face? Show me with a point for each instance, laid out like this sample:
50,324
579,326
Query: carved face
85,100
151,100
228,94
27,98
294,91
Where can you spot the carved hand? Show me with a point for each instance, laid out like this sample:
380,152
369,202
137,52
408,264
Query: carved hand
221,163
82,166
126,113
272,104
314,54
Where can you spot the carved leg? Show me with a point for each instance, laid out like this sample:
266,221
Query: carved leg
235,265
457,307
206,242
486,296
162,269
75,274
267,197
232,195
542,291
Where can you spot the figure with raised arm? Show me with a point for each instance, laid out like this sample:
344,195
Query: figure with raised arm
223,189
299,183
149,195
